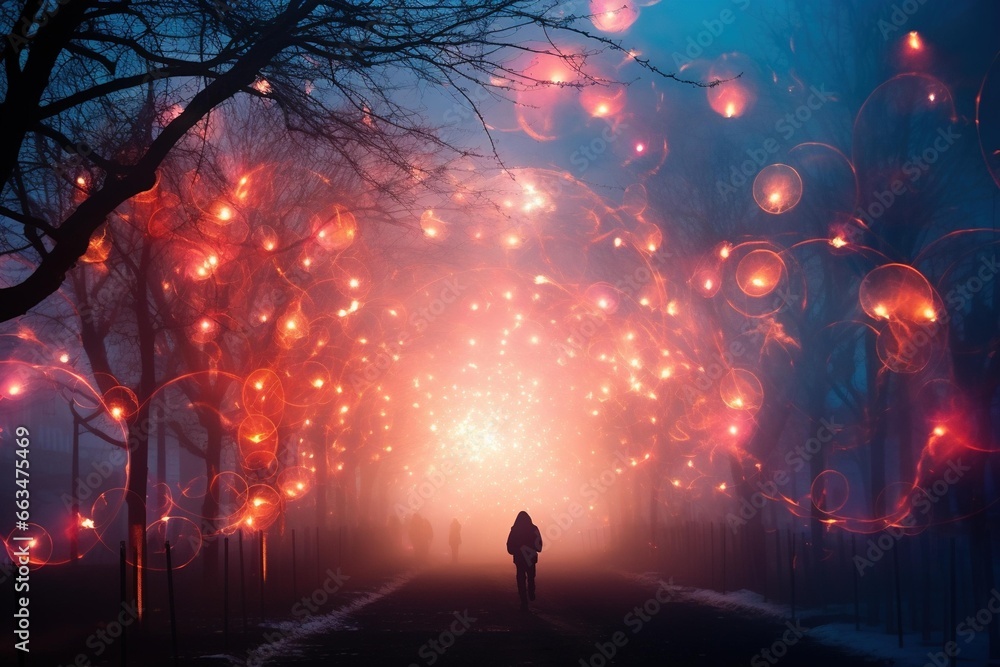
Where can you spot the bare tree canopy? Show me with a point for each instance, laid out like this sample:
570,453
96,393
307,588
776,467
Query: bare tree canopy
97,94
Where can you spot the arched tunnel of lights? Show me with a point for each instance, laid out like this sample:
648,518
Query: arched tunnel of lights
545,347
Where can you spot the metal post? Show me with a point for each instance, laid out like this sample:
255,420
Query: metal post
170,599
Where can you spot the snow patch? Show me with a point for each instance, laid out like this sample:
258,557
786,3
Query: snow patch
293,632
869,642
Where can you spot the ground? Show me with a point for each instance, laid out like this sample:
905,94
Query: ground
469,615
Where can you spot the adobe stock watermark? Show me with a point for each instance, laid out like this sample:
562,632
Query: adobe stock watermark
967,630
956,299
590,491
77,153
635,620
100,641
591,322
900,16
703,39
920,499
22,35
459,112
431,651
588,153
90,482
421,493
301,610
720,363
419,321
796,461
779,648
785,127
914,168
432,482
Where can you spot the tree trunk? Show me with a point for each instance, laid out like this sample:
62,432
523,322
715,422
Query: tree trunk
878,403
138,477
210,504
817,464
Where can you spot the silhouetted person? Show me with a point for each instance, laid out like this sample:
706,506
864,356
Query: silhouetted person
427,536
524,543
454,539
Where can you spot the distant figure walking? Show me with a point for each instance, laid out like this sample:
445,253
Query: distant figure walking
421,535
454,539
524,543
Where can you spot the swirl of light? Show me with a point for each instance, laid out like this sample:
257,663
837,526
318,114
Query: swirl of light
38,541
604,97
897,292
735,96
265,237
263,394
264,506
730,99
759,272
106,517
185,542
99,247
292,327
229,493
548,99
741,390
901,349
603,297
830,491
777,188
336,228
434,228
121,403
295,482
635,199
258,442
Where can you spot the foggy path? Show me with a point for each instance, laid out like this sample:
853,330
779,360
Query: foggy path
470,616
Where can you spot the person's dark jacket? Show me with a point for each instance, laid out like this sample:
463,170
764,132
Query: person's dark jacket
524,541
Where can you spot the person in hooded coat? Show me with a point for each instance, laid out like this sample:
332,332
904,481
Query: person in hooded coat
523,543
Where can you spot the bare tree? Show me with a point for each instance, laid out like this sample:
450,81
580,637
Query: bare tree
341,72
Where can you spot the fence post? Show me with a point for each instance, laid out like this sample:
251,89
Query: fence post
170,601
225,592
122,582
857,599
243,587
791,569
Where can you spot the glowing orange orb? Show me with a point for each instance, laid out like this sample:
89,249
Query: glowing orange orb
258,441
777,188
741,390
432,226
759,272
613,15
337,229
295,482
603,100
897,292
603,296
263,393
731,99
